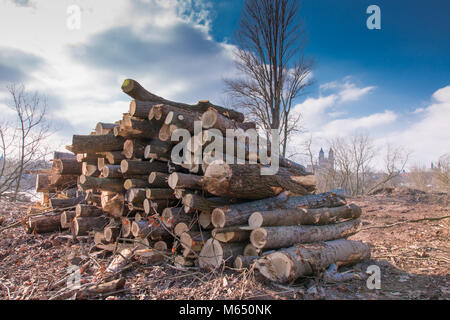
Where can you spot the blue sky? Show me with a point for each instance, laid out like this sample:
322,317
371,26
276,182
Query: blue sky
393,83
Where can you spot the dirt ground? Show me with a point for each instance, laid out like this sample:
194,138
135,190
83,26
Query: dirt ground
414,259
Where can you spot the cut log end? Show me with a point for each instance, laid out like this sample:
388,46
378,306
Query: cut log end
218,218
209,119
275,267
258,237
255,220
211,255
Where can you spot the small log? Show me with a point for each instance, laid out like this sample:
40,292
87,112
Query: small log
158,180
292,217
85,210
144,229
111,233
136,196
141,109
93,198
134,167
63,155
289,264
114,157
231,234
101,162
126,227
204,219
101,290
133,148
159,194
149,256
185,181
286,236
214,253
198,202
172,216
158,150
82,226
112,171
152,207
90,169
251,250
113,204
66,218
67,166
245,262
43,183
120,261
104,184
212,119
97,143
44,223
103,128
57,203
99,238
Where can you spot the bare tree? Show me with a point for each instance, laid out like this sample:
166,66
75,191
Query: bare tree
441,173
419,177
395,161
23,139
275,72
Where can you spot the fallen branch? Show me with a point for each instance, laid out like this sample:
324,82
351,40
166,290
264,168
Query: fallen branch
407,221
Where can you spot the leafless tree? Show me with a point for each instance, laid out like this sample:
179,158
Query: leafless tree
275,72
395,161
22,139
419,177
441,173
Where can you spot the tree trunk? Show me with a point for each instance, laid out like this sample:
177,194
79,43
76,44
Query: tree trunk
104,184
286,236
101,143
137,92
185,181
292,217
134,167
238,214
289,264
82,226
246,182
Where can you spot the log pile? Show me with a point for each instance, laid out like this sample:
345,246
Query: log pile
133,198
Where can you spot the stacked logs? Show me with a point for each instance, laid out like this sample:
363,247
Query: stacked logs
202,213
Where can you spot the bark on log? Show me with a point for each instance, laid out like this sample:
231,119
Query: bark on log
111,233
135,128
43,183
126,227
44,223
159,194
85,210
238,214
289,264
90,169
172,216
152,207
101,143
63,155
158,150
112,171
286,236
137,92
153,230
134,167
57,203
82,226
185,181
246,181
104,184
113,204
198,202
214,253
101,290
119,261
136,196
135,183
158,180
292,217
62,181
212,119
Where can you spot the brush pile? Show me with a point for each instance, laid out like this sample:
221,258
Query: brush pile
124,187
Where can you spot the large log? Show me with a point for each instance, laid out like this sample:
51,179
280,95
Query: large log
286,236
134,167
159,194
158,180
82,226
141,109
137,92
133,148
292,217
104,128
135,183
185,181
246,181
104,184
238,214
158,150
230,234
94,143
197,202
289,264
136,128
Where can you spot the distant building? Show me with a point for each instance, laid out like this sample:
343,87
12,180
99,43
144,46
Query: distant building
323,163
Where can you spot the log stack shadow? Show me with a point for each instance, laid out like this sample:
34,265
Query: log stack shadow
128,194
